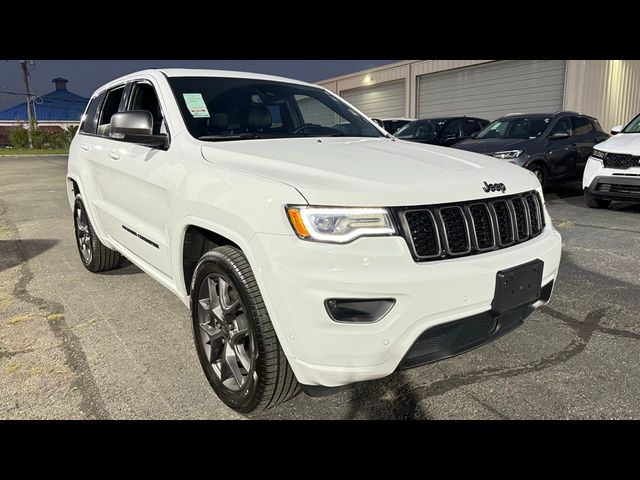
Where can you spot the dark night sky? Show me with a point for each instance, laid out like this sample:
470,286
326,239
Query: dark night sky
86,75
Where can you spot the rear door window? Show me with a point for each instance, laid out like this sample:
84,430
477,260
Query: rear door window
89,123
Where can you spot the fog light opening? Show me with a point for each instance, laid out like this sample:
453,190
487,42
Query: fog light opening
358,310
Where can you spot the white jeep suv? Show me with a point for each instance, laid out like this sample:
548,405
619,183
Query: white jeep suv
311,257
613,169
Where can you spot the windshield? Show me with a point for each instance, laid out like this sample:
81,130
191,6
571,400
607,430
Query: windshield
633,127
521,127
219,109
421,130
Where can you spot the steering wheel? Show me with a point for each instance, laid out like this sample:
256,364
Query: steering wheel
315,129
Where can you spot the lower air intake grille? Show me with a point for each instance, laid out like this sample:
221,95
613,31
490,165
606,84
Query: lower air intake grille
618,188
468,228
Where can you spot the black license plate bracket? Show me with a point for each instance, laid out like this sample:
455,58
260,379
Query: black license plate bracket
517,286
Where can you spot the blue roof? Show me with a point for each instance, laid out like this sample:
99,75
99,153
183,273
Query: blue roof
59,105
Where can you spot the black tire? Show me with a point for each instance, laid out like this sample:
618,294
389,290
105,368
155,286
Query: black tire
100,258
270,380
541,172
593,202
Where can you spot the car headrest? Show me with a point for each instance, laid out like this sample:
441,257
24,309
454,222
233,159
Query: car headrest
258,116
219,120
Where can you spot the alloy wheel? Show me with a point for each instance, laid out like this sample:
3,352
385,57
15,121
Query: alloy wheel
225,333
83,235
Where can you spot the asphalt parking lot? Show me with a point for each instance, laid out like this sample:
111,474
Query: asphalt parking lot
118,345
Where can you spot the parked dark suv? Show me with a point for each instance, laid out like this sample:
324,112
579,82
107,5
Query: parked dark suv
392,125
444,131
554,146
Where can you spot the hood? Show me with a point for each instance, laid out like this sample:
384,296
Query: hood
622,143
371,171
490,145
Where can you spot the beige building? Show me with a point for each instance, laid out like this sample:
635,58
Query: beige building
606,89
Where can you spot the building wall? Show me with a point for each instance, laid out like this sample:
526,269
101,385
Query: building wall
4,135
493,89
606,89
407,70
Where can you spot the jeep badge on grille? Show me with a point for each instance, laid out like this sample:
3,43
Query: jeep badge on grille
494,187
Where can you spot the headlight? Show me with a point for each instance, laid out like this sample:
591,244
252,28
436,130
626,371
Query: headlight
599,154
339,225
508,154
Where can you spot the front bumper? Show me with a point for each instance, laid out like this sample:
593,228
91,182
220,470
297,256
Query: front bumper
618,187
296,277
611,184
453,338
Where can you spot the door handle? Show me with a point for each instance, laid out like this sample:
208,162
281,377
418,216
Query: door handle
114,154
84,147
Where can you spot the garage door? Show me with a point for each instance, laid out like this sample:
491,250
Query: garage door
494,89
379,100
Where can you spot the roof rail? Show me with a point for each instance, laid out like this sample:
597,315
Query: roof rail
568,111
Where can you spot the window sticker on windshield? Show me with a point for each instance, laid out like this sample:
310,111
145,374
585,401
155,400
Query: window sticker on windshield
195,104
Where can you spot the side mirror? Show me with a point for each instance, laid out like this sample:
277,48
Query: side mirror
559,135
136,126
616,130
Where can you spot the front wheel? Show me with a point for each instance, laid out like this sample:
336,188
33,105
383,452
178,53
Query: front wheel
235,340
541,172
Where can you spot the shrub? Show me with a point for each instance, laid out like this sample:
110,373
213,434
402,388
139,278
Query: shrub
60,139
63,138
19,137
69,133
42,139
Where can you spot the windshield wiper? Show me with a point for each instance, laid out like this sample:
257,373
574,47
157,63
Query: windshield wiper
224,138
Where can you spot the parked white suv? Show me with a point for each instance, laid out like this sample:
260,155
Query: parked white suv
613,169
309,257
